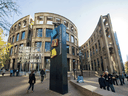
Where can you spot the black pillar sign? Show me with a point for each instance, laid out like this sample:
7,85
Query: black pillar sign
58,67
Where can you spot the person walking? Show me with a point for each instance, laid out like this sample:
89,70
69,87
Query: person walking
123,78
11,72
120,77
102,82
109,81
32,81
17,72
3,72
42,73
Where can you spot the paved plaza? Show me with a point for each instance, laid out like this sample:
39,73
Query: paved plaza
17,86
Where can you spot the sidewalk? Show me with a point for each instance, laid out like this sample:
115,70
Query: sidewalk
17,86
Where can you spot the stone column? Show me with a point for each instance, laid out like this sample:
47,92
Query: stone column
106,44
114,45
71,64
69,37
43,59
45,19
44,32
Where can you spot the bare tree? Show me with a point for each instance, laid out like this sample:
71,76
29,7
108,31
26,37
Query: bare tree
7,7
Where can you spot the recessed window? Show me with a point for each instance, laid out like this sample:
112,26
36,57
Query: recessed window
15,27
72,39
66,24
39,32
67,37
47,46
15,49
49,20
19,25
11,50
13,39
76,41
48,32
73,50
23,35
38,46
68,49
72,28
17,37
24,23
58,20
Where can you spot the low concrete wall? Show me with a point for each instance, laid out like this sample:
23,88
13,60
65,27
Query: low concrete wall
89,90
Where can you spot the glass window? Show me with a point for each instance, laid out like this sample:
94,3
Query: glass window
67,37
39,32
85,54
95,65
15,49
23,35
11,50
67,48
17,37
98,64
92,64
73,51
48,32
102,66
38,46
21,45
76,41
99,45
29,35
72,39
47,46
13,39
96,47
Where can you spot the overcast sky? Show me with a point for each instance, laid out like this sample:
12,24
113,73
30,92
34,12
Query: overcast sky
84,14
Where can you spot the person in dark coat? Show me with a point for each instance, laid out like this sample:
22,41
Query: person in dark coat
120,77
17,72
123,77
115,78
42,73
32,81
109,81
102,82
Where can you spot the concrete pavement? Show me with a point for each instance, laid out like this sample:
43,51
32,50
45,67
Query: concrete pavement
17,86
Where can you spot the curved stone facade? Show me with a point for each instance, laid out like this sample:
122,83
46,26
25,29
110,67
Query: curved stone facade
100,50
30,35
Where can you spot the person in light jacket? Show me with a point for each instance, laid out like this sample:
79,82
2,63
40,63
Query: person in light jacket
80,79
3,72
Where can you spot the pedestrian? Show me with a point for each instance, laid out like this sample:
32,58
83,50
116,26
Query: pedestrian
123,78
11,72
120,77
109,81
3,72
102,82
80,79
42,73
17,72
116,79
32,81
126,76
